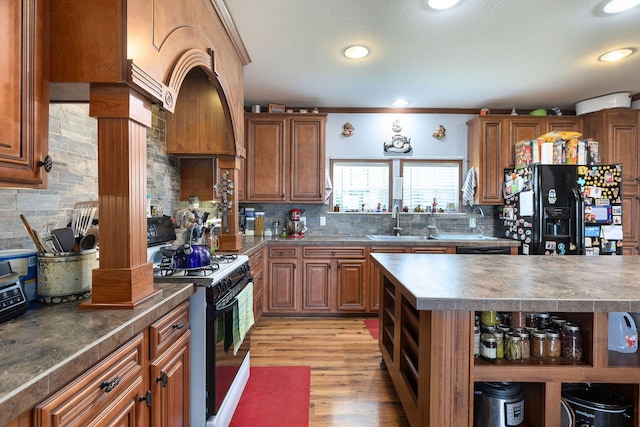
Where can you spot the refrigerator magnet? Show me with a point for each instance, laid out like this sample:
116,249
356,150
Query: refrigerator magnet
552,196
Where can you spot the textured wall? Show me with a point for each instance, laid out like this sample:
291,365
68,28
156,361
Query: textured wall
74,177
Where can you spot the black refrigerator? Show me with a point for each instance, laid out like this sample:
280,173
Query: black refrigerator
564,209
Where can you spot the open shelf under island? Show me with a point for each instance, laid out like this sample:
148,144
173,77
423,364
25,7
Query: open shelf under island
428,304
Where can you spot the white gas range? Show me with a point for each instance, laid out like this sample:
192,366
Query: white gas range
220,366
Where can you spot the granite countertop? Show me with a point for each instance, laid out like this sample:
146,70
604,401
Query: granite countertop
45,348
251,243
515,283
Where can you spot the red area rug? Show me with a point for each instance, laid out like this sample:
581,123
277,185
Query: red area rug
275,396
372,325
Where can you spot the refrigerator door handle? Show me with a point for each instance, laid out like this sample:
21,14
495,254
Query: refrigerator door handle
579,223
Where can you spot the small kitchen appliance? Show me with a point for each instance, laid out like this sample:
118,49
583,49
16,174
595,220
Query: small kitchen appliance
498,405
595,405
13,301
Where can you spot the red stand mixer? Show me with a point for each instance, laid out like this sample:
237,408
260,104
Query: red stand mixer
295,227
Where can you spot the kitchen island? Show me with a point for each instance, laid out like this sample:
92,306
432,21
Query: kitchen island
428,303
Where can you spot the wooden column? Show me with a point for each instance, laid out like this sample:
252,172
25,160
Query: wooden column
231,241
124,277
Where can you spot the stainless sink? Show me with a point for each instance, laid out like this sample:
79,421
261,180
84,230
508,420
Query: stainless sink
390,238
447,237
462,237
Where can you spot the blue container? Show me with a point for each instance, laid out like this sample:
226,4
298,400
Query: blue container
24,262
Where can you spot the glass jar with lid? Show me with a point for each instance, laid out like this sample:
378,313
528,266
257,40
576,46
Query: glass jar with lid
499,344
538,343
552,344
518,319
543,321
489,318
476,340
488,347
526,345
513,348
571,342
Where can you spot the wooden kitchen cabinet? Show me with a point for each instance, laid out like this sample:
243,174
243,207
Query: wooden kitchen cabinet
617,131
375,277
285,158
490,147
24,114
198,176
334,279
107,394
170,385
146,382
284,293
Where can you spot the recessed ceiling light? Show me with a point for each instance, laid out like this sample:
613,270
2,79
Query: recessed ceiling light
442,4
616,55
400,103
616,6
356,52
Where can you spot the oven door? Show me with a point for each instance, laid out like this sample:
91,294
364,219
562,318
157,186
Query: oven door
223,365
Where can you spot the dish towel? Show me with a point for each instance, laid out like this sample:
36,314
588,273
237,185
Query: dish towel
328,187
469,187
242,316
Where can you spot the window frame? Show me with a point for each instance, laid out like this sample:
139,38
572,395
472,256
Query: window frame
388,162
458,161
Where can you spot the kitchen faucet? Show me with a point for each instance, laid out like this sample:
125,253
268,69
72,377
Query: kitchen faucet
478,210
395,214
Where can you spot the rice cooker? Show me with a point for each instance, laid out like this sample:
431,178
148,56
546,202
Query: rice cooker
597,405
498,404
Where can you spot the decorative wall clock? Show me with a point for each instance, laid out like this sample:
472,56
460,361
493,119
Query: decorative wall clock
398,144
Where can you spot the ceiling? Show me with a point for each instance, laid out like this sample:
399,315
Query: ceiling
479,54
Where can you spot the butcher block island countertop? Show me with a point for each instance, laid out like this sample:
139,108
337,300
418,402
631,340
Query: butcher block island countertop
428,305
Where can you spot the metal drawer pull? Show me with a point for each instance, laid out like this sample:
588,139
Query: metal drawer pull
107,386
178,325
163,379
146,398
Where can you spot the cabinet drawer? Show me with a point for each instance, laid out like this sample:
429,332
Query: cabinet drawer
86,398
283,252
256,261
167,330
337,252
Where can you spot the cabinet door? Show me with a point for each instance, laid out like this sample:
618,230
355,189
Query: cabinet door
557,123
198,176
106,394
282,295
316,285
351,285
256,263
24,114
170,385
307,159
486,137
266,160
519,129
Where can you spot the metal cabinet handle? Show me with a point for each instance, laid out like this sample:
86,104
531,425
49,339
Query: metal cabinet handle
108,386
146,398
163,379
177,325
47,163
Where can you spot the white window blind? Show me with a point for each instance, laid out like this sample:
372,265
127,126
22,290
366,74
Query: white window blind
422,181
360,183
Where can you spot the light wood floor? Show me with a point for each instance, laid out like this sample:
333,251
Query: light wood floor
348,388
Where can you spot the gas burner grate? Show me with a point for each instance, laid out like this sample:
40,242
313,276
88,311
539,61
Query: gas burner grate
222,258
165,269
